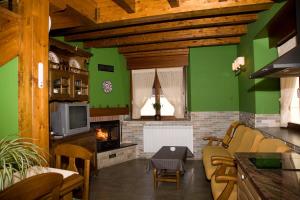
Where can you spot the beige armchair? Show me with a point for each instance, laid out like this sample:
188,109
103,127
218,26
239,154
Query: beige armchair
227,137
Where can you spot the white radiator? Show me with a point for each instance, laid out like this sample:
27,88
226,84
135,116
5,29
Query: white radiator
157,136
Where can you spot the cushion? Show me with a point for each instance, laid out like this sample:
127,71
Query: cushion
272,145
250,141
235,141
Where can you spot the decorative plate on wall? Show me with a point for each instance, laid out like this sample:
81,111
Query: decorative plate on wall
107,86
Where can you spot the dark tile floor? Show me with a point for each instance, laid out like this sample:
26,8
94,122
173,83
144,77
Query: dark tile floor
131,181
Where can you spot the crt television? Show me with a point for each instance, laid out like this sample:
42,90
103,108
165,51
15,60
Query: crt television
70,118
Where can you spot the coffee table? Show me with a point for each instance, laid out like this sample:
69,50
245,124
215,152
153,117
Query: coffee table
168,164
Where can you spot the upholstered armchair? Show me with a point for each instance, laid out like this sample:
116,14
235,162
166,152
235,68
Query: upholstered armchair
224,179
215,141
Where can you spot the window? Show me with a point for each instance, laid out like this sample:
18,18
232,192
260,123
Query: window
158,92
294,107
166,109
289,100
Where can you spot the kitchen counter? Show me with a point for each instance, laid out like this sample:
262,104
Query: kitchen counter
290,136
275,184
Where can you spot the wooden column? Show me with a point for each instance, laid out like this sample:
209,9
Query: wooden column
33,101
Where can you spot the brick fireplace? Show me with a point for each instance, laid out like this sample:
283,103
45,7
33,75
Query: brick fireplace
110,150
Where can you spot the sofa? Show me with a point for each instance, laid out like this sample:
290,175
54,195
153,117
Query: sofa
218,161
245,139
223,181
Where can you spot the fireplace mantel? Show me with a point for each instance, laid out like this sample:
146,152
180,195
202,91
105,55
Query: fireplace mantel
96,112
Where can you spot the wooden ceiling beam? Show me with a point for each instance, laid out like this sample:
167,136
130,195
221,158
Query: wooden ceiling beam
158,62
179,44
56,5
211,32
88,9
173,3
68,18
165,26
61,20
159,53
9,35
9,44
127,5
151,11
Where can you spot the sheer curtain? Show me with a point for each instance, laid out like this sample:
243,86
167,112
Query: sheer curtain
142,83
287,87
171,82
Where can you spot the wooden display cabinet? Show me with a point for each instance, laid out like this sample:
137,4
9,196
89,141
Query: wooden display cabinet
81,87
68,75
60,85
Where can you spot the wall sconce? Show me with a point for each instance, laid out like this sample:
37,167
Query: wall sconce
237,64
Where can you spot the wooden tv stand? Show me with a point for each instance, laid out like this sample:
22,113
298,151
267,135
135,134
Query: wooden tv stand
85,139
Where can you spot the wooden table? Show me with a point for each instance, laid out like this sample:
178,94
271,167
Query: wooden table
168,164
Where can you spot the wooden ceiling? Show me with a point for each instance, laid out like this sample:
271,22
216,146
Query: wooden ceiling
154,27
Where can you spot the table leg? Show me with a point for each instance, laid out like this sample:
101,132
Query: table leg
177,178
155,178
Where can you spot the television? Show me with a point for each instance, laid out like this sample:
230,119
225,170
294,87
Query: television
70,118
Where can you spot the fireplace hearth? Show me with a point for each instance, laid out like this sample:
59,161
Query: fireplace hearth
108,134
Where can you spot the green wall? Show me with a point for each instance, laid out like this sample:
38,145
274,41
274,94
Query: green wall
9,99
120,95
212,84
258,96
266,90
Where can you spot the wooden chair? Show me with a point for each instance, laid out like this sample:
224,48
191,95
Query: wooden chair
74,152
42,186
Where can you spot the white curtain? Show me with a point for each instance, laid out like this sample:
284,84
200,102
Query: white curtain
142,83
171,82
287,87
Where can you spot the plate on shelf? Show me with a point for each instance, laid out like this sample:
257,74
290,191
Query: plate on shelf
53,59
73,63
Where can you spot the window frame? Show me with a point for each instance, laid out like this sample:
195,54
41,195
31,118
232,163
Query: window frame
157,89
